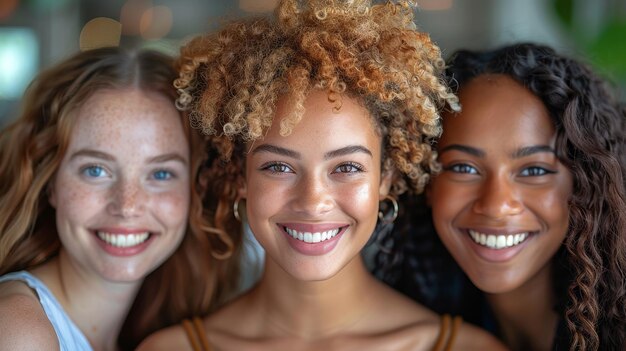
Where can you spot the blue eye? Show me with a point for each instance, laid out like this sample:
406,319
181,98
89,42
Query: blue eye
349,167
94,171
462,168
162,175
535,172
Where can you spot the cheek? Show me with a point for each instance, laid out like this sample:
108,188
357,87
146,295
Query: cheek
172,207
73,200
553,206
447,200
360,199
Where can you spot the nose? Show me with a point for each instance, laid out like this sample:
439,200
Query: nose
498,199
312,196
127,200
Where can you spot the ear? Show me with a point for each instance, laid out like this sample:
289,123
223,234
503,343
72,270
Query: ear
51,192
242,189
385,184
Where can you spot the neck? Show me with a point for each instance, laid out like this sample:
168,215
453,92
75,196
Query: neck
526,315
313,309
84,296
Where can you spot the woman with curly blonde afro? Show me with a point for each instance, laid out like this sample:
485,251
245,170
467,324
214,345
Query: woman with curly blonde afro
318,118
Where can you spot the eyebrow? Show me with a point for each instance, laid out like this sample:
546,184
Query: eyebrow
103,155
92,153
529,150
522,152
276,150
463,148
347,150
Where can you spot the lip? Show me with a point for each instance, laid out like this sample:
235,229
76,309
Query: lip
313,249
496,255
123,251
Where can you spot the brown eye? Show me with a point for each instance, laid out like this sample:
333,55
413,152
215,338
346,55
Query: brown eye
277,167
462,168
535,172
348,168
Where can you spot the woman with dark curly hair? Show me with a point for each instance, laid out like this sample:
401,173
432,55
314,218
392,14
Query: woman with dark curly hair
315,117
530,203
102,226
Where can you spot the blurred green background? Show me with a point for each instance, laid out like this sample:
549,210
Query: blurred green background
37,33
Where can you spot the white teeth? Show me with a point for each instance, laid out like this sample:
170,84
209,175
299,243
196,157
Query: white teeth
123,240
309,237
499,241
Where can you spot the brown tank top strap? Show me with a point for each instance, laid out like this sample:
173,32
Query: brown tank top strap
196,335
447,332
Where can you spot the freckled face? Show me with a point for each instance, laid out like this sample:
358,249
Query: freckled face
122,190
312,196
501,203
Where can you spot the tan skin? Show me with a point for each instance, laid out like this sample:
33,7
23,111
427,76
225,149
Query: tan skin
501,177
326,174
126,172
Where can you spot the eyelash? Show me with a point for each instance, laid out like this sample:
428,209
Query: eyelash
86,170
272,167
536,169
461,168
533,171
359,168
170,175
281,168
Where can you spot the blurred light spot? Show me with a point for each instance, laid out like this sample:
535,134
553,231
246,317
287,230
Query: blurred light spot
434,5
100,32
130,15
44,6
19,51
258,6
156,22
7,7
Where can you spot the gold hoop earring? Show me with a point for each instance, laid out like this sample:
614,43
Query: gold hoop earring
385,217
236,209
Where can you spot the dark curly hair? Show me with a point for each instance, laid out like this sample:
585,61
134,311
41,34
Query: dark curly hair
590,123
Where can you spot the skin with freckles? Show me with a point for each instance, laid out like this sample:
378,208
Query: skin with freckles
501,183
102,197
126,170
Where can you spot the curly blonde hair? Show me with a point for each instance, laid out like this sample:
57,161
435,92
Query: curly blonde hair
230,81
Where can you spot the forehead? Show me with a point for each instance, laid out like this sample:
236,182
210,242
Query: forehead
343,121
497,108
119,116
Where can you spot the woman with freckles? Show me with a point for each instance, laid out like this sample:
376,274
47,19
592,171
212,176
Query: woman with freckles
101,227
530,203
318,118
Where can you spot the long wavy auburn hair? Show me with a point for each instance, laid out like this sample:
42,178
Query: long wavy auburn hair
31,149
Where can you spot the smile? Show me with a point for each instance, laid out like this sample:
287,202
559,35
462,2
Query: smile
123,240
498,241
312,237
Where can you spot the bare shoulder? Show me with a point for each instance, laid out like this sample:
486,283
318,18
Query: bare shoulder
23,322
171,338
470,337
402,310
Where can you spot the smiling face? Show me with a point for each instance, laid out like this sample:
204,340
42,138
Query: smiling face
312,196
122,190
500,204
